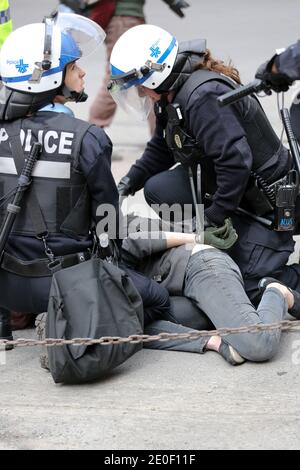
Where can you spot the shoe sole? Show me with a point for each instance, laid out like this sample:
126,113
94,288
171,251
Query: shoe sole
235,356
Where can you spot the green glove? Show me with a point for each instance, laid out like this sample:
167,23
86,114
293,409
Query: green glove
223,237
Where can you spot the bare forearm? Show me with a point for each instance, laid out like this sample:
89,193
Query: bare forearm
177,239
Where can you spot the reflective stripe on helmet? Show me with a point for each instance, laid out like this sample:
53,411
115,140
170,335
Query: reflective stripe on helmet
140,81
69,52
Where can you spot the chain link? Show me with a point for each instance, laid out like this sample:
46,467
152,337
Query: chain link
285,325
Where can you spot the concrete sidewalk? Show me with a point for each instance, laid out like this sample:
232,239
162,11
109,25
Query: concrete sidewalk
156,400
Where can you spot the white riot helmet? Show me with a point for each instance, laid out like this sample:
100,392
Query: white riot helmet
33,60
143,56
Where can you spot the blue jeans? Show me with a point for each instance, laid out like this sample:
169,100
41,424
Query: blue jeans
259,251
214,283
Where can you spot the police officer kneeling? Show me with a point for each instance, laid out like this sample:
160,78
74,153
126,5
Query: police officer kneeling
72,176
242,159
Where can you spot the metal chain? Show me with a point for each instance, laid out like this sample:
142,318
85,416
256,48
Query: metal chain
285,325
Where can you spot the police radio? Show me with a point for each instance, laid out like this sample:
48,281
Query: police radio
286,195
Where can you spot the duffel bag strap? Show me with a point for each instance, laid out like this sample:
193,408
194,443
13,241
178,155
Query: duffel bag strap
40,268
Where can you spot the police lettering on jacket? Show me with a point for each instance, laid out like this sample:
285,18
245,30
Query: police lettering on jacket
51,140
60,186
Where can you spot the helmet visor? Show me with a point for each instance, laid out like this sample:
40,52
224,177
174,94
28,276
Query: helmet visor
87,34
3,96
132,100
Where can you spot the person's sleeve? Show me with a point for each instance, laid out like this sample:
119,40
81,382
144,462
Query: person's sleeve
155,159
288,62
140,245
156,300
95,162
222,138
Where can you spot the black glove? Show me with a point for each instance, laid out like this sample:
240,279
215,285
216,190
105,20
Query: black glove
124,187
277,81
177,5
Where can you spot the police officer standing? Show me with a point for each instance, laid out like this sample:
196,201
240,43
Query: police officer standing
241,156
72,176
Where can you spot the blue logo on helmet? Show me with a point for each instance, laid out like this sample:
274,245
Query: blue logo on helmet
155,52
21,67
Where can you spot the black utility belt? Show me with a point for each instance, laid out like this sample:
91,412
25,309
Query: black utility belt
40,267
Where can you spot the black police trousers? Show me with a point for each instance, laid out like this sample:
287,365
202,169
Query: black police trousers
31,295
259,251
24,294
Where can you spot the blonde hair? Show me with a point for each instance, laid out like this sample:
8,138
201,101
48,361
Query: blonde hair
219,66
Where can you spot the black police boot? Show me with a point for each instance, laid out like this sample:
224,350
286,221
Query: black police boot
295,310
5,327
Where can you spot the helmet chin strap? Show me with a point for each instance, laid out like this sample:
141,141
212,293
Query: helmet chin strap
78,97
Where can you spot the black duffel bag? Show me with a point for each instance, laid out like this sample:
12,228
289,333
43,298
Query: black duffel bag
92,299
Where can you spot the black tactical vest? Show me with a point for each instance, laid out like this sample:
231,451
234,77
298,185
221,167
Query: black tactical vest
270,160
59,185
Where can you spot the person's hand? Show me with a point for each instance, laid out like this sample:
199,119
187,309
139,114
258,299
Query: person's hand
124,187
277,81
177,5
223,237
